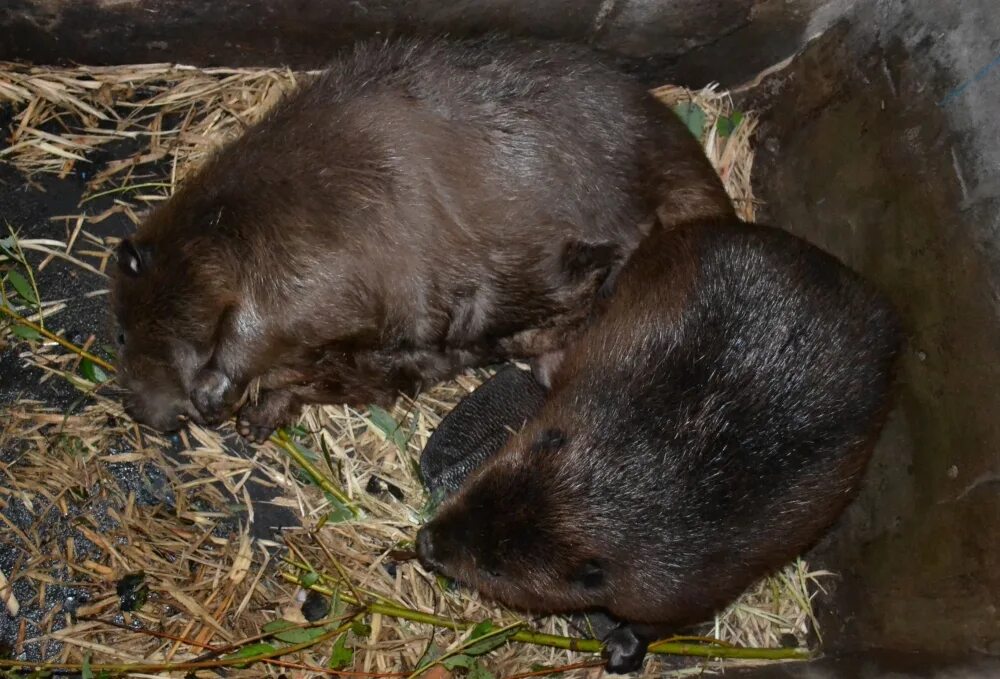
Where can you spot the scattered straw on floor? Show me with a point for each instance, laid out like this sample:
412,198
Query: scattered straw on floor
76,524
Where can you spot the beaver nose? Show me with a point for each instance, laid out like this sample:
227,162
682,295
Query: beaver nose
425,549
166,419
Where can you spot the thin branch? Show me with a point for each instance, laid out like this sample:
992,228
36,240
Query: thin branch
281,439
66,344
665,647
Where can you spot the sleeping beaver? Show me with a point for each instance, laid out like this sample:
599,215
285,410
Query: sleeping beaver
706,429
421,206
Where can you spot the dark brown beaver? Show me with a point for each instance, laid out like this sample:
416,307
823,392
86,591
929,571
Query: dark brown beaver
712,423
419,207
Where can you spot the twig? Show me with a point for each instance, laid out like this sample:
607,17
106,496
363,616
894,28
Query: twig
340,569
122,189
281,439
665,647
466,644
557,670
66,344
31,273
148,668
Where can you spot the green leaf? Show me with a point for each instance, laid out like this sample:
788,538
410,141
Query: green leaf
434,501
93,372
339,511
7,245
727,124
692,116
385,423
85,671
431,653
482,629
24,332
462,660
309,579
250,652
290,633
477,671
444,583
491,638
341,656
22,286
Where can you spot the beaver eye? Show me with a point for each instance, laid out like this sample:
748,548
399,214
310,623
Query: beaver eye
549,441
590,575
130,260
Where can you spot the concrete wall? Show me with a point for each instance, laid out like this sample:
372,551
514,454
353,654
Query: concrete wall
650,34
880,143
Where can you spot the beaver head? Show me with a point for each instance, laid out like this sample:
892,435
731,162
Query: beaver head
520,531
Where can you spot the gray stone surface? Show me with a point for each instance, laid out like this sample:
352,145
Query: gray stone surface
880,144
726,39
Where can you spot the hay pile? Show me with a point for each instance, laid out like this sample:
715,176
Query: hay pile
88,498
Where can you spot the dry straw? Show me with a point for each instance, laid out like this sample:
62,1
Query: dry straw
212,587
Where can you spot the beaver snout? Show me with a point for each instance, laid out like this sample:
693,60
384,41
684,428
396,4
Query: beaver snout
214,395
426,550
163,414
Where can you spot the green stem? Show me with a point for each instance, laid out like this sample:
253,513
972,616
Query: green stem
31,275
146,668
666,647
18,318
458,651
281,439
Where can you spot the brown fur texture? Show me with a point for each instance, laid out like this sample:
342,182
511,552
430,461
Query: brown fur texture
420,207
706,429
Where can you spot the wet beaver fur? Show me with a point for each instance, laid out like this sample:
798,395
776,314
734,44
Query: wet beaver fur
421,206
708,428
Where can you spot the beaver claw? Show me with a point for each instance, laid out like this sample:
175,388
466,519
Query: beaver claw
258,420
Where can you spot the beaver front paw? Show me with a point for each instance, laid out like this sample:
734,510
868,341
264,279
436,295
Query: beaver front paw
258,419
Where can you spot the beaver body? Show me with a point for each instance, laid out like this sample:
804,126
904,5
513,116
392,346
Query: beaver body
706,429
421,206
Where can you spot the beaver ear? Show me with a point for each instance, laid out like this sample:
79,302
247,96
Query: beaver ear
580,259
590,574
131,259
550,440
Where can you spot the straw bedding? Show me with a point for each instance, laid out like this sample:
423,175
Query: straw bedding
87,498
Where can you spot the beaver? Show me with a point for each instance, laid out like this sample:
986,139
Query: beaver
421,206
708,427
